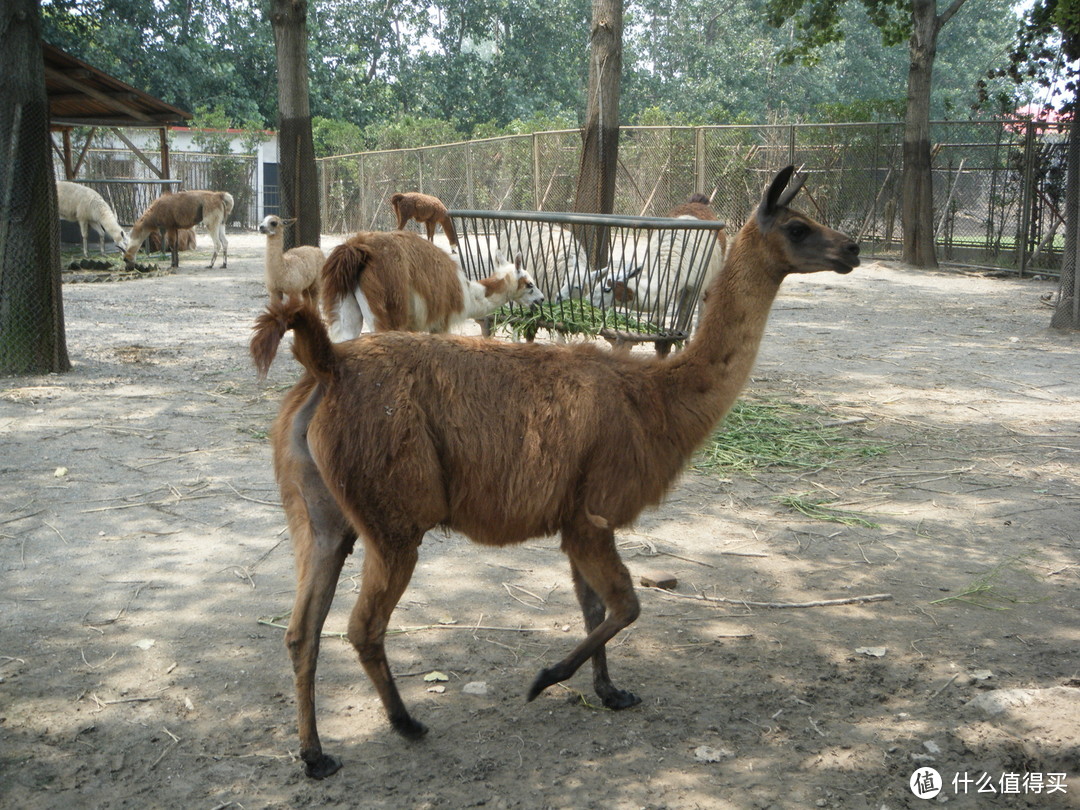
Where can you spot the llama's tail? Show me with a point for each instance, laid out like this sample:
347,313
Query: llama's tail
227,202
341,271
311,344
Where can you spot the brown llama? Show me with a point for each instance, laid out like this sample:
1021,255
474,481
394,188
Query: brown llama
397,280
387,437
184,209
426,209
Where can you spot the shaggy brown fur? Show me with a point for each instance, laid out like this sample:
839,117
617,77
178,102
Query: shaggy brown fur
409,284
392,435
184,209
423,208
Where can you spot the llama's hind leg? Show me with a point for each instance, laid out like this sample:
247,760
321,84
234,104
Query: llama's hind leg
388,567
608,601
321,541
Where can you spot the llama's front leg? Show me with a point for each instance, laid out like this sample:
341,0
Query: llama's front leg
388,567
609,604
592,607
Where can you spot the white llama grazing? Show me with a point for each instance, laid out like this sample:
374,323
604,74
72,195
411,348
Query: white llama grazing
78,203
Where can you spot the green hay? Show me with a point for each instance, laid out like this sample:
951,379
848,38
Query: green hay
818,509
757,435
575,317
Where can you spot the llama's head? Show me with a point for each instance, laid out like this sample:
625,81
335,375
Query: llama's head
619,288
273,225
579,283
796,243
524,291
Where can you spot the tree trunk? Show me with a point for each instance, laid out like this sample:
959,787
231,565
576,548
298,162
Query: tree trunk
1067,313
31,309
298,178
600,138
917,198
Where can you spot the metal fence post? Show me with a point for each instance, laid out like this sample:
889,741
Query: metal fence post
536,170
470,192
699,159
1027,193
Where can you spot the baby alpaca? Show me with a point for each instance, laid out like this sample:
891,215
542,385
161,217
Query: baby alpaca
293,272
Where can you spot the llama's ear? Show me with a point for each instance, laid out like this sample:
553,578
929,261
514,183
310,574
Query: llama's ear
519,263
775,197
291,221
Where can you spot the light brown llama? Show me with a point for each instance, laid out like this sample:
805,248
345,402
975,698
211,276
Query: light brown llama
184,209
293,272
426,209
397,280
387,437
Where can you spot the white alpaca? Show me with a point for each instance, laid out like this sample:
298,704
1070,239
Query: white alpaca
290,272
78,203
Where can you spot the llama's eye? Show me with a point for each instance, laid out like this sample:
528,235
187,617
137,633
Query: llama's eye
797,231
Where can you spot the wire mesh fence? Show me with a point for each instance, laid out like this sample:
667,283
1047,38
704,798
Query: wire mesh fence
998,186
628,279
129,184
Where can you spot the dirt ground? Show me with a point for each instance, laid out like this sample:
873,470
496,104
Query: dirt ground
145,566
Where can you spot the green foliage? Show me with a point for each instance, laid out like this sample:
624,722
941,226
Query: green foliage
333,137
861,110
409,131
1045,51
491,67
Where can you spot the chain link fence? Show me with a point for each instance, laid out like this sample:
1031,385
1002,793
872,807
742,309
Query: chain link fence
998,186
129,185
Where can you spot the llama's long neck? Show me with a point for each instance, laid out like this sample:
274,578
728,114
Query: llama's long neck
706,378
275,260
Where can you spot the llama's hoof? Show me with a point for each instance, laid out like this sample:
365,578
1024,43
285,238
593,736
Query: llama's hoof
544,678
323,767
409,729
620,699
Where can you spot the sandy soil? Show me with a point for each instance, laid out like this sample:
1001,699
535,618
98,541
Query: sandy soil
142,550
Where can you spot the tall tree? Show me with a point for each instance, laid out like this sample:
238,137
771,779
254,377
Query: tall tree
1047,49
31,309
818,23
600,136
298,179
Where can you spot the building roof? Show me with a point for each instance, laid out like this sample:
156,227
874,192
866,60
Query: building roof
81,95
